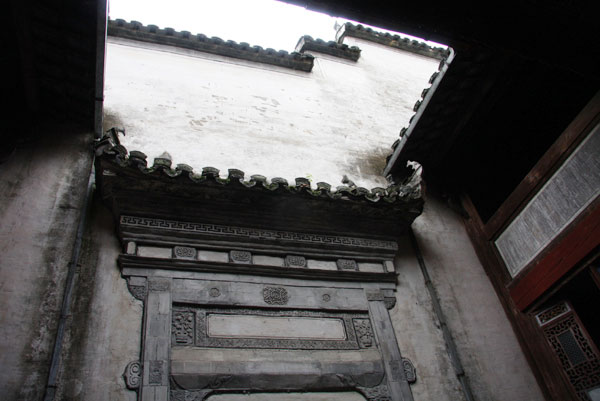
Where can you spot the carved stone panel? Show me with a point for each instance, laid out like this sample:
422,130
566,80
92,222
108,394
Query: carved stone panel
275,295
364,332
347,264
183,327
240,257
295,261
184,252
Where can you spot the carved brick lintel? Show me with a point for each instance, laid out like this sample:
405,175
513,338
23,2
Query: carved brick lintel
364,332
195,331
246,233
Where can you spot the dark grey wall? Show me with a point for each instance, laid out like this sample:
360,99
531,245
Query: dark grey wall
42,185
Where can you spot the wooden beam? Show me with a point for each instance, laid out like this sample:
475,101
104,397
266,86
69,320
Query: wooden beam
575,243
585,121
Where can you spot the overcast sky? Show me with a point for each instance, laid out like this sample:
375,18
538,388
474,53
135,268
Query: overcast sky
266,23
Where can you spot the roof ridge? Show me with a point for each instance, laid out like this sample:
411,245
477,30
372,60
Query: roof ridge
109,147
135,30
393,40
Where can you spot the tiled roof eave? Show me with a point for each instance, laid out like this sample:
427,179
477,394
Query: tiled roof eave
395,159
394,41
152,34
128,184
332,48
108,148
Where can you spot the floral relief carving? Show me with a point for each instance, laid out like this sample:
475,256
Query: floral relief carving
275,295
184,252
182,328
364,332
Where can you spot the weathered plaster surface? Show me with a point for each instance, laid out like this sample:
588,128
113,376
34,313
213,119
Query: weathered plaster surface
208,110
41,191
493,361
105,332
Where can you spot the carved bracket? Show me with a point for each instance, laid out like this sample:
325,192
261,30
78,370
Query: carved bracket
381,392
137,286
133,375
409,370
390,302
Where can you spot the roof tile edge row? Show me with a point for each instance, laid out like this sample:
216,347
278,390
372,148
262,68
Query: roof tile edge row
109,147
418,108
387,39
332,48
135,30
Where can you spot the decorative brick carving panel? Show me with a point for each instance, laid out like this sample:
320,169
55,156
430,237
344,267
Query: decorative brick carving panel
184,252
214,229
364,332
182,328
275,295
347,264
156,372
240,257
295,261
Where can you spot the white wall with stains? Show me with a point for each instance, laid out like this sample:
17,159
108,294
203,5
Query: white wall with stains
207,110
